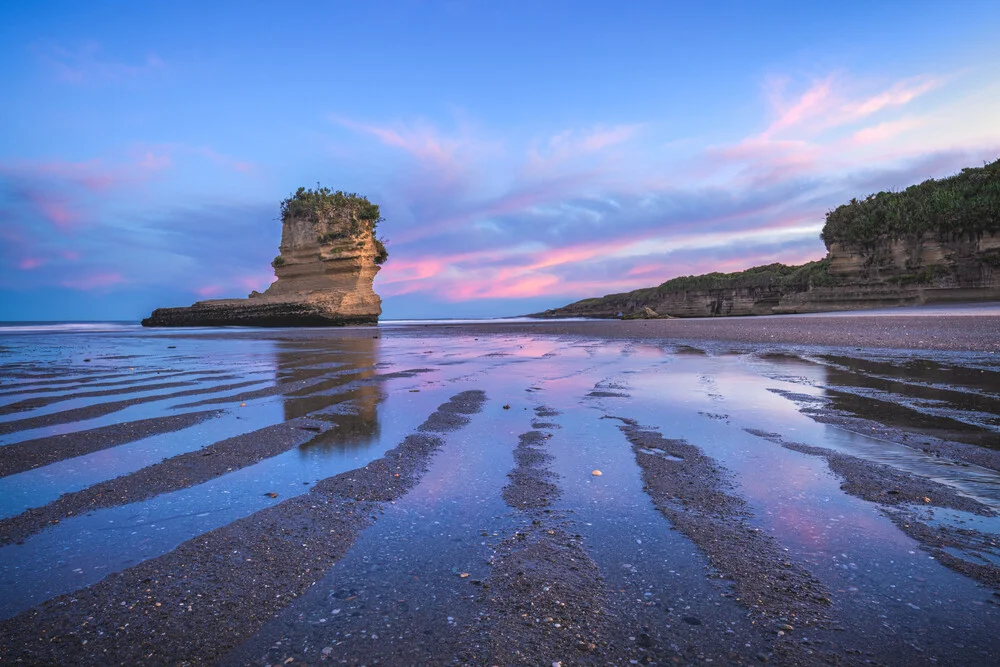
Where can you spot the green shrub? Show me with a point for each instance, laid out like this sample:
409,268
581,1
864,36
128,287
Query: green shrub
381,254
278,261
311,204
768,276
362,215
966,204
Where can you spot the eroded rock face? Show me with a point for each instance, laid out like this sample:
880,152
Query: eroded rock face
324,278
902,272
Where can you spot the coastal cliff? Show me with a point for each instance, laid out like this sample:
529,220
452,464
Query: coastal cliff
935,242
328,259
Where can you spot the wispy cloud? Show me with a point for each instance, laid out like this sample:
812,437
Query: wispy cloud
94,281
87,64
587,209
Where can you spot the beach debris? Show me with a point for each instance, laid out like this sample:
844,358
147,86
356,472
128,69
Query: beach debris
506,406
597,473
86,360
926,499
243,405
271,494
464,575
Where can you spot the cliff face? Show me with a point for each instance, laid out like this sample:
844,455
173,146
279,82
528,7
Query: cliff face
933,242
909,271
328,261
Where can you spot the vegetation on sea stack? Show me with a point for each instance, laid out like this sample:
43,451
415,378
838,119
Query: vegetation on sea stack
324,203
966,204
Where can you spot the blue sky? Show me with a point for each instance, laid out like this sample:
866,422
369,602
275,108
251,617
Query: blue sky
524,154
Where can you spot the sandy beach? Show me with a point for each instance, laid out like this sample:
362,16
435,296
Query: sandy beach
784,490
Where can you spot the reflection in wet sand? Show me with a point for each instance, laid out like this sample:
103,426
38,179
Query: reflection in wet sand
762,422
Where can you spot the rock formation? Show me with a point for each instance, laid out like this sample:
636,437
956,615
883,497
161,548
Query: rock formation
329,256
935,242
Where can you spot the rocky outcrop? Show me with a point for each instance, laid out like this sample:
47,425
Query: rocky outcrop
328,259
938,241
911,271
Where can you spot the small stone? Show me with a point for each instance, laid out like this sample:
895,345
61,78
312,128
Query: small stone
243,405
464,575
786,627
506,406
926,499
597,473
271,494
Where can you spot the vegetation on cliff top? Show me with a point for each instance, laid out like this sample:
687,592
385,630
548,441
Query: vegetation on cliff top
965,204
323,203
769,276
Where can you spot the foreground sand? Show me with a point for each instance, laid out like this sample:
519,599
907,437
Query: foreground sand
426,494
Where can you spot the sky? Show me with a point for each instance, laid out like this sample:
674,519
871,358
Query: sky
524,154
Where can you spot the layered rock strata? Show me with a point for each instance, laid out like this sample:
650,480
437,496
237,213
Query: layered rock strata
916,270
328,261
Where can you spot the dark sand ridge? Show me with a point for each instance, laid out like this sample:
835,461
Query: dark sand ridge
545,596
689,489
937,332
287,388
43,401
29,454
918,406
177,472
843,376
928,372
823,410
303,379
212,592
103,409
896,492
87,382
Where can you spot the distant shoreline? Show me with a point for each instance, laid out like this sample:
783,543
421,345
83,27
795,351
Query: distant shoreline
970,328
966,333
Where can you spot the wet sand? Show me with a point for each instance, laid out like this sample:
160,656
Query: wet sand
425,494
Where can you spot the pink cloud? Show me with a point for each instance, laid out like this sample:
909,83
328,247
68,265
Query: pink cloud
94,281
809,105
646,269
29,263
208,290
151,162
421,141
70,255
899,94
887,130
258,282
600,139
489,289
55,211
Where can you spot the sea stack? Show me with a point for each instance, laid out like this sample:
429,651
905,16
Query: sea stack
328,259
